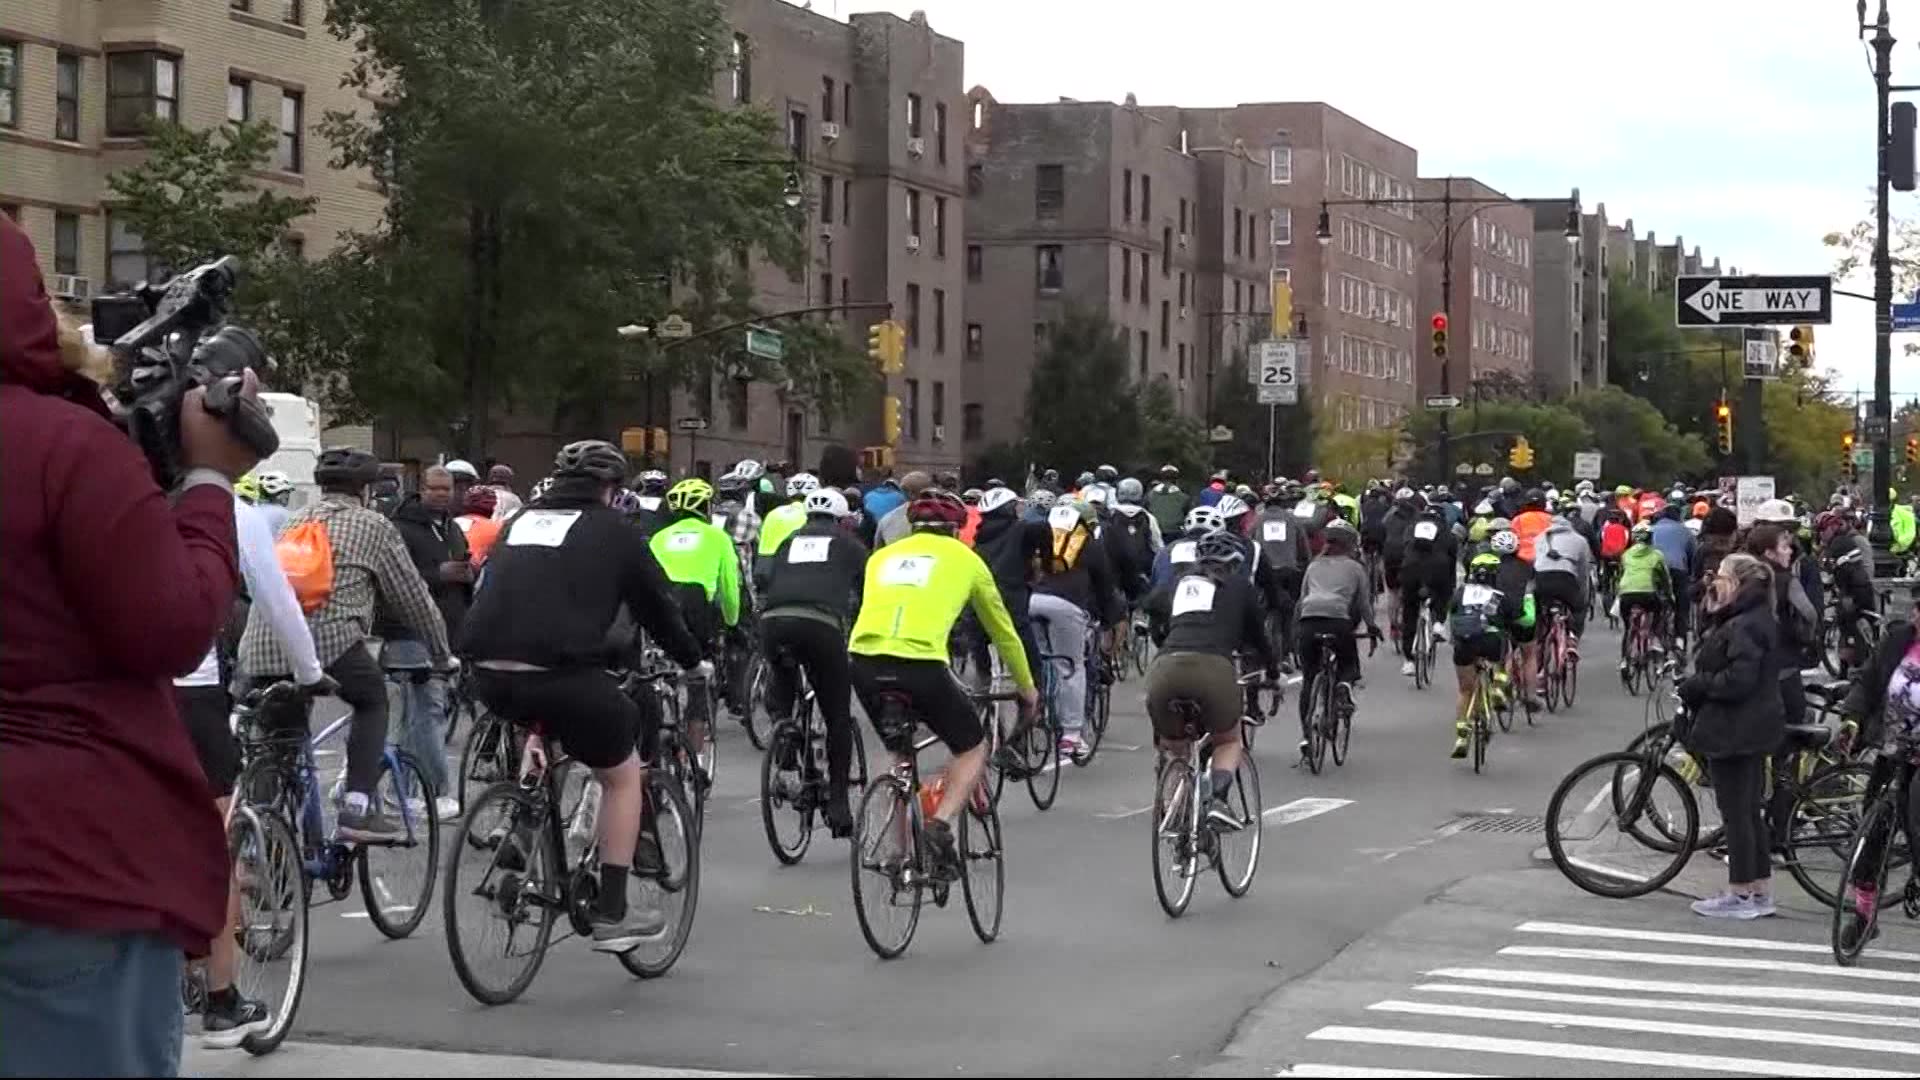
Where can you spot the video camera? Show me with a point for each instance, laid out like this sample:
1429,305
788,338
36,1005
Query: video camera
170,339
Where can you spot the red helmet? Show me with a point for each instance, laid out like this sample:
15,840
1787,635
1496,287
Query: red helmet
937,508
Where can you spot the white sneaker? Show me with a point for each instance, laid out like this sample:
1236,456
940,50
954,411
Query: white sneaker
1439,634
1406,667
448,809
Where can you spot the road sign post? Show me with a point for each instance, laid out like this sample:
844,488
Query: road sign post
1755,300
1443,401
1586,465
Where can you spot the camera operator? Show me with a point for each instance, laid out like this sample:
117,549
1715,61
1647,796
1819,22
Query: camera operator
114,863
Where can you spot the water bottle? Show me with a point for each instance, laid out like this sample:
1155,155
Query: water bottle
581,832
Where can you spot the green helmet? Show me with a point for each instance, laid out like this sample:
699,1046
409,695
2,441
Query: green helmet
1483,566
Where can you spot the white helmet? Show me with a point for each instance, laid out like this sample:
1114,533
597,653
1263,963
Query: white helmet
1130,490
1483,508
825,500
1506,542
994,498
749,470
459,467
1584,487
1230,506
801,483
1205,519
1041,498
1779,511
273,482
1677,495
1095,495
1403,492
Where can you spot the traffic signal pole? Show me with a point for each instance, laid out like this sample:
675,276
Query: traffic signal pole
1446,308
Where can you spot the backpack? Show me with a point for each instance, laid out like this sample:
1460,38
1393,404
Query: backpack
1613,539
1069,539
306,554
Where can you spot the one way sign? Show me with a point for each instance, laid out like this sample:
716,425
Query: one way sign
1715,300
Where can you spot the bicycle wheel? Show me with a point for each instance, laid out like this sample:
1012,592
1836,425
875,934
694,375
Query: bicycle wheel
759,722
1239,852
995,777
1830,639
1039,749
886,858
1319,707
1422,655
1826,814
1550,671
674,885
1175,861
1711,830
1142,649
1100,701
502,893
1851,929
983,881
396,878
1341,736
271,936
488,756
786,810
1615,864
1569,679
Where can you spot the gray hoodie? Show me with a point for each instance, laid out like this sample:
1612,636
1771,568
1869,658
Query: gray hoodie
1561,549
1335,587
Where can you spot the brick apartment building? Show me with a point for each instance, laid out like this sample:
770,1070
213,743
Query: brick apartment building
1491,315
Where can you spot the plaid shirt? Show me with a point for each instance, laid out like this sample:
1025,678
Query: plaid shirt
370,566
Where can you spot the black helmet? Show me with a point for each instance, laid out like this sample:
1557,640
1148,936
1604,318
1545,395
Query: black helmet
1219,548
594,458
1107,473
346,467
1534,499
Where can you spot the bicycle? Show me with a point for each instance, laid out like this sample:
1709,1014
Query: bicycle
686,749
1559,663
1887,814
1608,590
1089,732
890,848
793,772
1637,651
1263,702
1103,673
1182,833
1139,643
1324,724
1481,710
1423,648
490,754
1856,632
527,859
1029,749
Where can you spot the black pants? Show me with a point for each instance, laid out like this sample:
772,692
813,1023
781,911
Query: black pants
364,687
796,643
1436,581
1739,786
1569,591
1346,654
1887,769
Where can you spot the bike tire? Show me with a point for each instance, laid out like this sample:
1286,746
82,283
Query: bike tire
1665,840
1320,702
678,878
517,809
1175,864
1847,948
1480,732
486,757
981,850
886,810
1245,800
1595,880
1341,737
263,851
995,777
1422,658
1822,820
1096,728
1504,714
1569,680
1040,756
1550,661
758,721
784,740
398,920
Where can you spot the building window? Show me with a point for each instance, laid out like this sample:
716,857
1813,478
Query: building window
976,262
913,316
1145,261
1236,230
846,105
1143,354
1183,288
797,134
940,138
742,69
1146,197
291,13
1126,275
973,420
826,199
127,262
913,116
1166,323
292,140
826,290
846,290
1280,164
240,5
1183,217
940,226
1236,297
141,85
1280,226
9,84
1181,351
976,341
66,243
1049,191
939,409
939,325
1039,336
1048,272
826,99
737,402
913,214
1166,250
239,100
912,425
66,97
976,179
846,201
1252,248
1126,195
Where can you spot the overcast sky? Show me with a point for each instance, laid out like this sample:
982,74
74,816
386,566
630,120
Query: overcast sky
1744,126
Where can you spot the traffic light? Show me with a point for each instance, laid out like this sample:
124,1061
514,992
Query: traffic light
1846,454
1282,309
887,346
1913,451
1439,333
1800,346
1521,456
890,420
1723,425
876,457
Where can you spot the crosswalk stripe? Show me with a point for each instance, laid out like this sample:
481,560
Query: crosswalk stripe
1302,809
1311,1069
1649,1026
1712,940
1667,1004
1778,967
1656,986
1405,1038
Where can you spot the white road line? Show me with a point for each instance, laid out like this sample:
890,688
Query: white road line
1648,1026
1350,1070
1741,963
1656,986
1724,1008
1714,940
1482,1044
1119,815
1302,809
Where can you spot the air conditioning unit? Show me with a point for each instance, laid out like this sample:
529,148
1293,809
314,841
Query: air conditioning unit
916,147
913,243
72,287
1183,239
939,433
829,131
1185,311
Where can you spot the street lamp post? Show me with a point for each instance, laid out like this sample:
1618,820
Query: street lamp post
1881,529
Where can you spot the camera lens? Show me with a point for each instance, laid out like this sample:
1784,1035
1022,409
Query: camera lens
230,351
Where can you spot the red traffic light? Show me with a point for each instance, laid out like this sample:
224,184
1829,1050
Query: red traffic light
1439,322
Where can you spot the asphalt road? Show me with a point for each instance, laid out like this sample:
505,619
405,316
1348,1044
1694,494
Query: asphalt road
1089,977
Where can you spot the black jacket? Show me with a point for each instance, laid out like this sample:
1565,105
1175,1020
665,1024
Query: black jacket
1734,692
1012,546
1089,583
1394,526
1223,615
1866,703
555,604
1128,577
431,539
819,569
1430,561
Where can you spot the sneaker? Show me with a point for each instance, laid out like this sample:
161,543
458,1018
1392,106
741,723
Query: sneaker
943,851
647,859
369,827
1759,906
1406,667
1220,814
1460,737
1656,647
1725,905
224,1028
839,815
1072,746
640,925
1343,698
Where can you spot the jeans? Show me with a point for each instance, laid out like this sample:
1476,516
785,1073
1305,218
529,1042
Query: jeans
423,708
1063,627
1737,784
81,1004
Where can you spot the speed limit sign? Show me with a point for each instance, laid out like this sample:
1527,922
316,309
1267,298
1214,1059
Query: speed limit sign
1278,373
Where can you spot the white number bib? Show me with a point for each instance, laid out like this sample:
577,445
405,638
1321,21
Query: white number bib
1274,531
683,541
911,570
1182,552
1193,594
542,528
1425,530
649,503
804,549
719,521
1063,517
1305,511
1476,596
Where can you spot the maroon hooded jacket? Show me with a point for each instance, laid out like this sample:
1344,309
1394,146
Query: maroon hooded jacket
106,593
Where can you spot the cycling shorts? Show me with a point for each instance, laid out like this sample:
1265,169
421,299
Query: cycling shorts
1205,679
1488,646
936,698
208,714
582,708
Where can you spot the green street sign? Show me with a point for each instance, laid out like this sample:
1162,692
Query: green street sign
765,344
1863,457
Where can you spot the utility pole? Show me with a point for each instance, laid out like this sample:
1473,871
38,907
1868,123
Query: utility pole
1881,530
1446,305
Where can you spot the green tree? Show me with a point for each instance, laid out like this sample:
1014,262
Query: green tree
1638,446
553,170
1681,372
1804,432
1235,406
1081,409
1485,433
1167,434
194,196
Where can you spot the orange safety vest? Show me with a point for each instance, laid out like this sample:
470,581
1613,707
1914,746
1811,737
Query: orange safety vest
481,533
972,526
1528,525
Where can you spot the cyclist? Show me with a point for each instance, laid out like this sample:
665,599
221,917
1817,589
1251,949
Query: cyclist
810,586
276,490
1129,576
732,506
698,557
371,571
1011,545
1562,567
1283,552
1612,529
1314,514
1644,585
1141,527
1531,521
1181,550
1334,602
1374,505
1676,544
914,590
1483,618
1849,561
1515,578
557,583
1208,614
1167,502
1394,527
1426,569
783,520
651,487
1073,593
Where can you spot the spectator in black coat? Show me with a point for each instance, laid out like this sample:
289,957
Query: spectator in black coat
438,547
